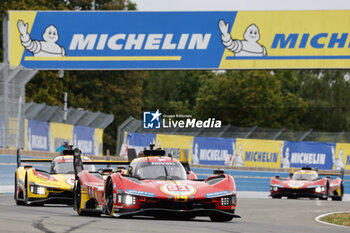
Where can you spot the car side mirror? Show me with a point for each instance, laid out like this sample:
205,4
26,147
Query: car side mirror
218,172
27,166
130,171
107,170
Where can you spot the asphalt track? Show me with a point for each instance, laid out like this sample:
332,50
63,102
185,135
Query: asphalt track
258,215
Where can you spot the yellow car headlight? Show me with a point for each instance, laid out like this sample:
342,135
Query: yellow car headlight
36,189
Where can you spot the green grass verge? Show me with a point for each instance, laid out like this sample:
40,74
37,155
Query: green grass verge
340,219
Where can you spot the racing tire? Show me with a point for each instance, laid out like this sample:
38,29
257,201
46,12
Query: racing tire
25,191
276,197
339,197
77,201
327,193
109,199
224,218
18,202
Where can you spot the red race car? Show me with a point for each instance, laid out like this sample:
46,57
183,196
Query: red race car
153,185
308,182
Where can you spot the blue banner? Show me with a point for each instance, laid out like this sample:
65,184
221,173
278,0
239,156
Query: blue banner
117,40
83,138
138,141
38,135
212,151
314,154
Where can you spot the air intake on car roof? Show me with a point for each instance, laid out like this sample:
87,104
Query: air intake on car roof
153,152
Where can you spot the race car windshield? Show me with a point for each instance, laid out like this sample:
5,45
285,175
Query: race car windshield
161,171
303,176
67,168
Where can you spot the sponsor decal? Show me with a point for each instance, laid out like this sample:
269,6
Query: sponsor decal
163,163
178,189
217,194
70,181
296,184
140,193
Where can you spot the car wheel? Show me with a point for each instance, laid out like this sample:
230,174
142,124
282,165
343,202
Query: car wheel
109,199
224,218
327,193
77,198
25,191
276,197
18,202
338,197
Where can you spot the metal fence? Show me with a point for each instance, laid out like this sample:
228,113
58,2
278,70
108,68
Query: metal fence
12,98
13,109
229,131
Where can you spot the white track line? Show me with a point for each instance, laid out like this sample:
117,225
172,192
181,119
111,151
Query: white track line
331,224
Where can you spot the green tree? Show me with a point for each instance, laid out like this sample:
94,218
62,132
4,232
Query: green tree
172,91
327,93
248,98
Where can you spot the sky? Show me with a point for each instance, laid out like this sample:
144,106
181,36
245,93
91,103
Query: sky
229,5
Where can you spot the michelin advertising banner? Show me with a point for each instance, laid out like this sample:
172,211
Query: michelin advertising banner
59,133
314,154
83,138
98,142
212,151
173,143
37,137
341,157
179,40
138,141
258,153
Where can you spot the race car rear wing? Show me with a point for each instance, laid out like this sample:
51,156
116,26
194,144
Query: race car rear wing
183,159
19,160
78,163
339,173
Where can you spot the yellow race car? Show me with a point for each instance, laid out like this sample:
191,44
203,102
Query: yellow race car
37,187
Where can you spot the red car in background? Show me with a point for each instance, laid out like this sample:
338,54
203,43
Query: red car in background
308,182
153,185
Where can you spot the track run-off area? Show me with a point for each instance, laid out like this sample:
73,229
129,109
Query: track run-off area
259,213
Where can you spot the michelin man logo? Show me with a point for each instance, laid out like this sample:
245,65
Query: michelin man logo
45,48
195,153
239,157
247,47
285,158
337,162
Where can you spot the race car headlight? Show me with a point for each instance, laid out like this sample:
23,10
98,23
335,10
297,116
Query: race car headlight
228,200
36,189
320,189
126,199
275,187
